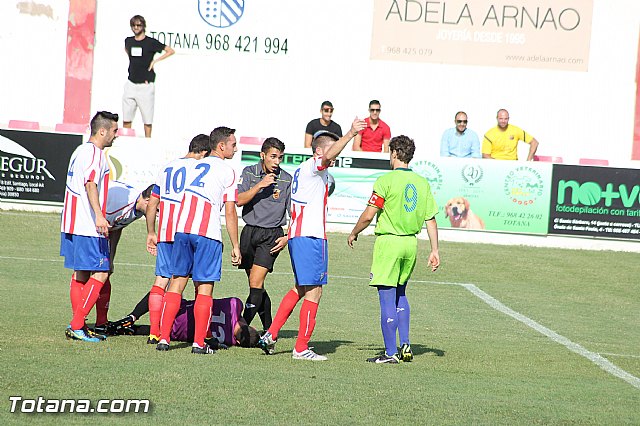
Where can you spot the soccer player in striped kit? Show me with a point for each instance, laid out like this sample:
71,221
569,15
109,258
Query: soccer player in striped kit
211,185
84,229
308,241
165,198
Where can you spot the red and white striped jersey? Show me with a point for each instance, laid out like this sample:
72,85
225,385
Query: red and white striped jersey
87,164
309,192
169,187
211,183
121,205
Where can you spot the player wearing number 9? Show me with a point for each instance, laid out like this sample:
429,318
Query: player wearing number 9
402,201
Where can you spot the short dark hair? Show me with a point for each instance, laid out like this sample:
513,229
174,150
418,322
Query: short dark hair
139,18
326,103
102,120
460,112
200,143
147,192
272,143
404,148
219,134
248,336
374,102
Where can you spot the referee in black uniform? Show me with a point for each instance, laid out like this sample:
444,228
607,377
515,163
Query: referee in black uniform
264,193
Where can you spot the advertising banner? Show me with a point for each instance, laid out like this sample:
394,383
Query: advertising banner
595,201
552,34
33,165
471,194
489,195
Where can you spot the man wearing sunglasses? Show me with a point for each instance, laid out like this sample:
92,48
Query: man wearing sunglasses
375,137
139,90
322,123
459,141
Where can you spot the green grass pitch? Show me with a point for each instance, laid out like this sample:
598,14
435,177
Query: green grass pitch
474,363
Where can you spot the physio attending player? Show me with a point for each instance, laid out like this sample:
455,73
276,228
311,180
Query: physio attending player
125,204
403,201
84,228
308,241
264,192
211,185
165,199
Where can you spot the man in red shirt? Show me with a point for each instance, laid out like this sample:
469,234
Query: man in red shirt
375,137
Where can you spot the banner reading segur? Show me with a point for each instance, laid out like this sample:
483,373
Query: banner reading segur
552,34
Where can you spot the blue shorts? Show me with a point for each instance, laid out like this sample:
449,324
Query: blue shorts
309,260
198,256
83,253
163,259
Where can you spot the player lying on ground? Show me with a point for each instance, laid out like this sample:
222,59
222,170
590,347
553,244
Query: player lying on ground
227,327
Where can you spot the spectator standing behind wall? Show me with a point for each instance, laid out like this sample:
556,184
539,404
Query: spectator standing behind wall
501,142
322,123
459,141
139,90
375,137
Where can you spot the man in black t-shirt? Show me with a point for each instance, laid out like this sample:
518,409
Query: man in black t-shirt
139,91
322,123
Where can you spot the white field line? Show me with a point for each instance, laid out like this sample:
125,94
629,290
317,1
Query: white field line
597,359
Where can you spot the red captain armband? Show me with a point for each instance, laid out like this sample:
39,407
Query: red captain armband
376,200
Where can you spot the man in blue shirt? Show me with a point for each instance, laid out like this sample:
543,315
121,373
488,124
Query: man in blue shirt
460,141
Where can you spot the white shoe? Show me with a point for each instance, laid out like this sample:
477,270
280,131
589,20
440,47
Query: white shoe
309,355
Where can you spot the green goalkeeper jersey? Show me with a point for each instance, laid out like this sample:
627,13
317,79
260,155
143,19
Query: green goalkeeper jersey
408,202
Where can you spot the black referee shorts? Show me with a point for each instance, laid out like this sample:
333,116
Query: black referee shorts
256,244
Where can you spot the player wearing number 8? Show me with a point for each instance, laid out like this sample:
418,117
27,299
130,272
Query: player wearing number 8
402,201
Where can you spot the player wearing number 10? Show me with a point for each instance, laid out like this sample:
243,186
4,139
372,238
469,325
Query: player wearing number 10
402,201
211,185
165,198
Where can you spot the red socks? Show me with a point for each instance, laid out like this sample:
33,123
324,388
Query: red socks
202,314
308,313
155,309
90,294
170,309
289,302
75,293
102,304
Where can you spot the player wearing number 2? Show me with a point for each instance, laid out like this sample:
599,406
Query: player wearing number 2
402,201
165,198
308,241
211,185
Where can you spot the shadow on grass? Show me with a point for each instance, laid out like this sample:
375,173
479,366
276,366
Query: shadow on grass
418,350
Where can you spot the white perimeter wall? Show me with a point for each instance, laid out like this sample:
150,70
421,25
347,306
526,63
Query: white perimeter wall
572,114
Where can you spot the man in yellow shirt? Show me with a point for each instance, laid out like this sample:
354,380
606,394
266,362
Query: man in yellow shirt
501,142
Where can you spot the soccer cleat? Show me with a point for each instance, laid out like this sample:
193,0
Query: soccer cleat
309,355
267,344
385,359
101,329
94,333
206,350
79,335
162,346
153,339
406,354
125,322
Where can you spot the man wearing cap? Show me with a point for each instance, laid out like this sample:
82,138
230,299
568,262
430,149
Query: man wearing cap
322,123
308,241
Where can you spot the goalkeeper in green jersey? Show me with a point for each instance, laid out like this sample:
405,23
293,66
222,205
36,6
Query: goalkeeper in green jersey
402,201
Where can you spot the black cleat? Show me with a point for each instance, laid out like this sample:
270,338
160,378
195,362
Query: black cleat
206,350
162,347
385,359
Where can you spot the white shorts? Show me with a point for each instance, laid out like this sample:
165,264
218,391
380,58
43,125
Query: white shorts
138,96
